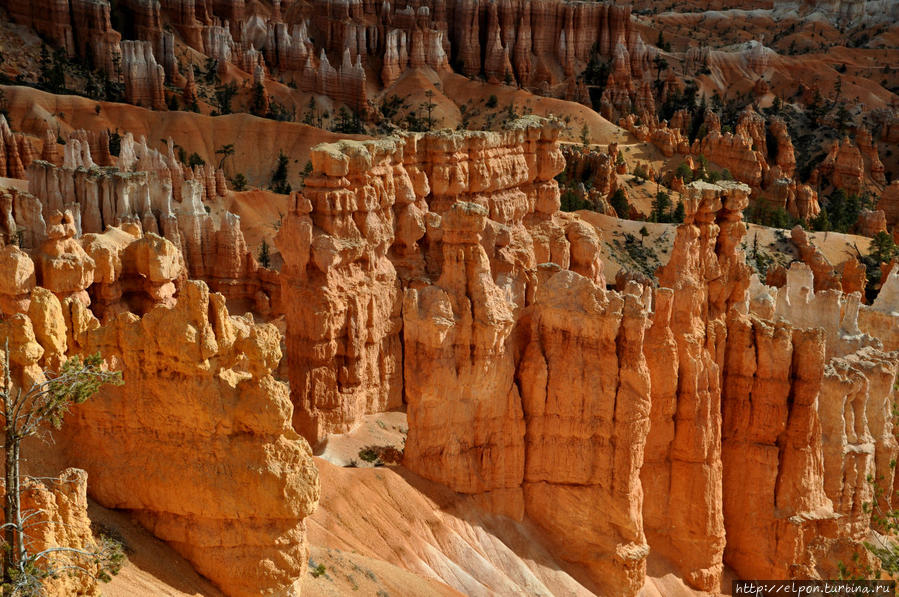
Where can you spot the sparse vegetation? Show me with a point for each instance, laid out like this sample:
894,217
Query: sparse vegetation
317,570
27,411
239,182
639,257
348,122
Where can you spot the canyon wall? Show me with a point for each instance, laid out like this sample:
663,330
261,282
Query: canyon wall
328,47
621,422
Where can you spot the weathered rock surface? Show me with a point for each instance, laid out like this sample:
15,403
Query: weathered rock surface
57,517
248,539
233,503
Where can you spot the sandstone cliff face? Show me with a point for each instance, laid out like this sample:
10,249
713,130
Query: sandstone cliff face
468,216
771,447
585,383
878,320
524,379
193,373
848,437
741,151
248,539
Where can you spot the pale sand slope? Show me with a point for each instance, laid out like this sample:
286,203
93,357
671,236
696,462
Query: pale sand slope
392,514
154,569
260,214
256,141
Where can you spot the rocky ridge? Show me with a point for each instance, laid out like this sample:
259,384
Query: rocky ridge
328,48
500,289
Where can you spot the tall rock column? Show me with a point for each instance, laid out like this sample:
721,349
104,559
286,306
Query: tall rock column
466,427
707,276
340,290
585,388
772,448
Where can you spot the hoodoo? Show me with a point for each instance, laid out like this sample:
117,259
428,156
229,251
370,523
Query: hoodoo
478,297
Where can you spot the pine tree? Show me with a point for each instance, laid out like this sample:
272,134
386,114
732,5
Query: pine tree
279,176
264,257
619,203
882,247
660,207
26,413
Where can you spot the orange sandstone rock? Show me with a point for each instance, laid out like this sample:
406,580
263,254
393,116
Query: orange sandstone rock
196,369
57,518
